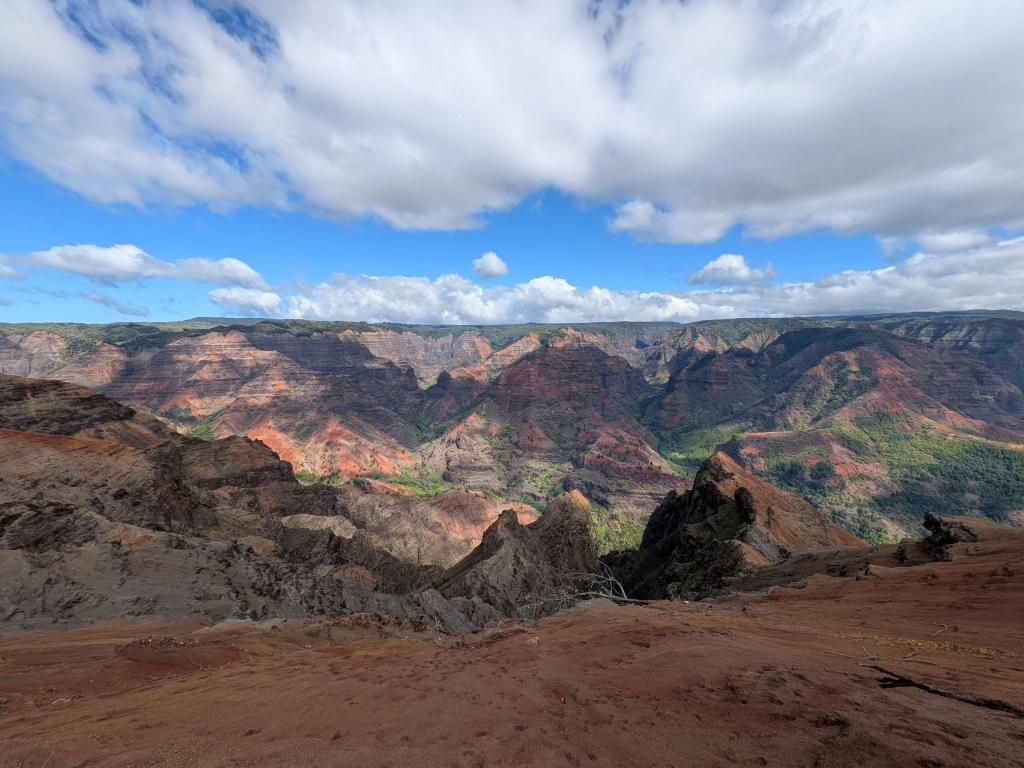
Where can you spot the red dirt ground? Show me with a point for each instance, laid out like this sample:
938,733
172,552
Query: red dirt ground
772,681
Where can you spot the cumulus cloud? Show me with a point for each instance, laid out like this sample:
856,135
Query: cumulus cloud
730,269
125,263
988,277
692,118
490,265
452,299
229,271
118,306
238,299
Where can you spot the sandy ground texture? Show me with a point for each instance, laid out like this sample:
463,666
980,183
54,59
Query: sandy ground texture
784,679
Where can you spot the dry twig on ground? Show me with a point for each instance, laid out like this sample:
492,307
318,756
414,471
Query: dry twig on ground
868,656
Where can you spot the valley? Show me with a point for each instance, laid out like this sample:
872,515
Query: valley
180,600
875,419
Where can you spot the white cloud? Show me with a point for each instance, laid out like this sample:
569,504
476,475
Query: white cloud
490,265
782,117
237,299
117,263
9,273
957,240
125,263
730,269
229,271
644,220
123,308
451,299
990,277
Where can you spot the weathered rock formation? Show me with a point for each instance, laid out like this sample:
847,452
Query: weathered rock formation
519,569
104,513
730,521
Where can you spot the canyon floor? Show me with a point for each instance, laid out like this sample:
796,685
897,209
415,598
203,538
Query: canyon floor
783,678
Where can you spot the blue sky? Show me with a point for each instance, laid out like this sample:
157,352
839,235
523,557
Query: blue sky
549,233
653,160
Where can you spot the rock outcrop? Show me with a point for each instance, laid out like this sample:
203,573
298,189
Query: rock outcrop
519,568
729,521
106,513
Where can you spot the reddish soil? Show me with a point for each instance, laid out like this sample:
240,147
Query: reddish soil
777,680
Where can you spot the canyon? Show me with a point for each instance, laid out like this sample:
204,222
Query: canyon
180,599
876,419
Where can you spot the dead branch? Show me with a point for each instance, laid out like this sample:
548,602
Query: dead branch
896,680
577,588
943,628
868,656
613,598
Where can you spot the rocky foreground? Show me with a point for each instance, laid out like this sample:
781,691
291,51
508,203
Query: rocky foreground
105,513
890,665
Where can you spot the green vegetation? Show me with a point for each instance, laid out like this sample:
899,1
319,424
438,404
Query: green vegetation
734,330
421,482
612,533
814,481
546,482
305,476
953,476
863,521
936,473
686,451
203,430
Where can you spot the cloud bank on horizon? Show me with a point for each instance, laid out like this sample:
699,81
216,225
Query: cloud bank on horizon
900,119
989,275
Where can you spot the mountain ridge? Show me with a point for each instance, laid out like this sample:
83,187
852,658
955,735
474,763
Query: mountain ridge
622,411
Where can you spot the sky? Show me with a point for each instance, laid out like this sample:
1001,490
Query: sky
509,161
